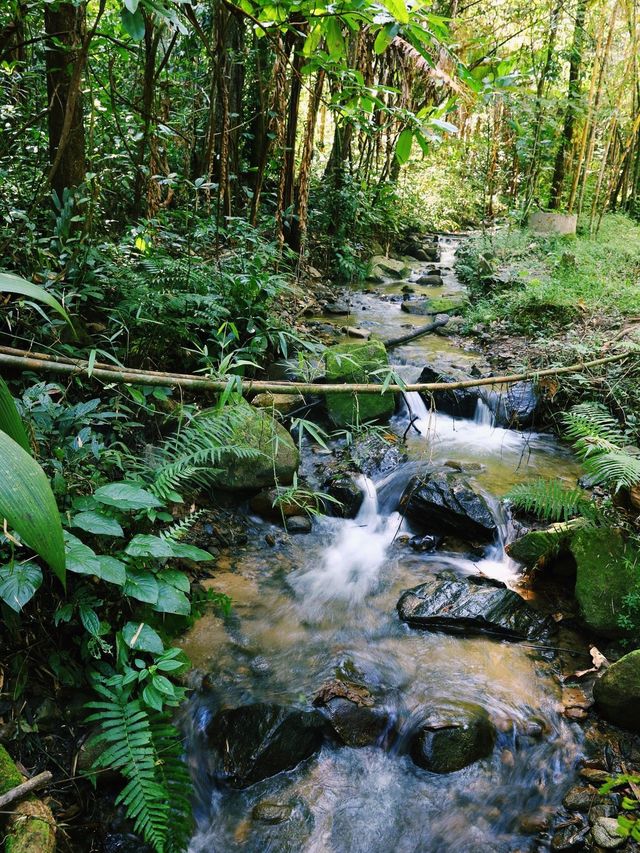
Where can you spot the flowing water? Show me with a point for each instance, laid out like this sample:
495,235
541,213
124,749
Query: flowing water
315,602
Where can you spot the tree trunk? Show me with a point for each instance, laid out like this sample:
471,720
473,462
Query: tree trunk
65,27
573,94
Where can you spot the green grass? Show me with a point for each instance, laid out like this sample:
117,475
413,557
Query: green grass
553,281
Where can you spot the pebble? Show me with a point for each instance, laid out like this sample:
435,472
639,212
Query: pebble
605,833
272,813
298,524
579,798
270,539
598,777
568,838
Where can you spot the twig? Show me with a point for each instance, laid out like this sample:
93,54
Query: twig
25,788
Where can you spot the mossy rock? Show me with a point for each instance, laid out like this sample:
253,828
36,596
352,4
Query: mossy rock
32,828
355,363
539,548
604,577
382,269
448,305
277,459
617,692
10,776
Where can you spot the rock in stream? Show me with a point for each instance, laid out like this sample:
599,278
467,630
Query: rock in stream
471,605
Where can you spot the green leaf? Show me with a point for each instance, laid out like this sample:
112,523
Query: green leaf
131,5
10,420
133,24
28,504
152,698
190,552
112,570
398,9
19,583
126,496
140,637
176,579
312,41
81,559
95,522
10,283
383,40
163,685
144,545
403,146
171,600
141,585
89,619
335,40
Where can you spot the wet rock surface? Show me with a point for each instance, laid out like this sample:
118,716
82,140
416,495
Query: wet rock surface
452,736
444,503
256,741
471,606
459,402
617,692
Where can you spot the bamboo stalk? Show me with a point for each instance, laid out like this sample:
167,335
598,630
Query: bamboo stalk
264,386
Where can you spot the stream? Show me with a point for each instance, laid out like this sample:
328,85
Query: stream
328,599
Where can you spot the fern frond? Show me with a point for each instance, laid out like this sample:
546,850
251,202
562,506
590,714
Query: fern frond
146,749
592,421
548,500
179,529
616,469
192,454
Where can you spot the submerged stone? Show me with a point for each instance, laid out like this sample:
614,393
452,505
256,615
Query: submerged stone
470,606
453,735
256,741
357,363
444,503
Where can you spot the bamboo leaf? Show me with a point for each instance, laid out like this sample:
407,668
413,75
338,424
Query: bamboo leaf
10,420
28,504
10,283
403,146
398,9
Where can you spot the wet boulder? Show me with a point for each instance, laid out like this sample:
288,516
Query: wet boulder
430,280
357,363
352,713
276,505
617,692
444,503
384,269
257,741
604,576
472,605
343,487
452,736
540,548
279,405
458,402
514,405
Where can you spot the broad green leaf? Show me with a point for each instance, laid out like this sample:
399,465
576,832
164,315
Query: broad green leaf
335,40
89,619
131,5
141,585
141,637
152,697
126,496
95,522
112,570
10,283
383,40
133,24
403,146
19,583
10,420
163,685
312,41
28,504
190,552
81,559
171,600
398,9
176,579
144,545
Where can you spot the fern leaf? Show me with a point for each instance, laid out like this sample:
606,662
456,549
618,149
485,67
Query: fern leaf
548,500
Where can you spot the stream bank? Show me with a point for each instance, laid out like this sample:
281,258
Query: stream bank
346,695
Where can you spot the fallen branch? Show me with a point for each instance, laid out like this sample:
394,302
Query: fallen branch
248,386
423,330
20,791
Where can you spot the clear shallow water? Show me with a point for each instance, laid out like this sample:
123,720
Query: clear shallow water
314,602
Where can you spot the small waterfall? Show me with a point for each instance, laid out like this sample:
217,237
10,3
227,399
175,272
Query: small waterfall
350,566
484,415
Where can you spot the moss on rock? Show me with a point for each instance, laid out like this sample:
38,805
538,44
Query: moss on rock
617,692
276,460
32,829
10,776
603,578
356,362
538,548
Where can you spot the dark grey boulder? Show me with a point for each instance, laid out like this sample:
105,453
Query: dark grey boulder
430,280
444,503
338,308
354,723
344,488
256,741
453,735
459,402
471,605
515,405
